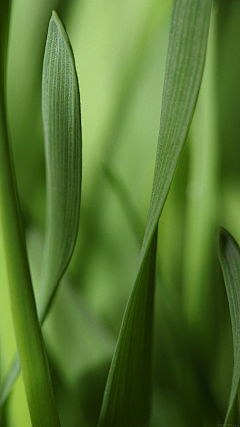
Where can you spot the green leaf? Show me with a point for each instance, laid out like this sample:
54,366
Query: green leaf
4,146
126,398
36,375
4,24
4,30
127,394
229,257
63,148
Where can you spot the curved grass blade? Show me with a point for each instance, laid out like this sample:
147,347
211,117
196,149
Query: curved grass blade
229,257
4,145
127,394
126,398
36,374
63,147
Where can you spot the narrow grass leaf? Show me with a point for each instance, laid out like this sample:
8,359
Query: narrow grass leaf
229,257
127,394
4,21
36,375
4,32
126,399
63,148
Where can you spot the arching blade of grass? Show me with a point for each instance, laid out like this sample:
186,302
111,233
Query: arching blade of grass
127,395
229,257
30,344
63,147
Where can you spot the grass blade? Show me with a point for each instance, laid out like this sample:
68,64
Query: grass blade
229,257
4,21
126,398
30,344
63,147
127,395
4,147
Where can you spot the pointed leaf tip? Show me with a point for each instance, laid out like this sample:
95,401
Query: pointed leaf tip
127,399
63,148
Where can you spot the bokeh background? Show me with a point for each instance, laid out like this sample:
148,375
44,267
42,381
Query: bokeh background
120,49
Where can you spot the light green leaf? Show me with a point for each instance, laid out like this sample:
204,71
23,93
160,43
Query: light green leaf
4,144
229,257
36,375
127,395
63,148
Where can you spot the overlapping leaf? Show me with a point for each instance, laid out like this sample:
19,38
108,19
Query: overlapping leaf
127,395
62,129
36,375
229,257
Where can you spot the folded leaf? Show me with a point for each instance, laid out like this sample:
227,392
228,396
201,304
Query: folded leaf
229,257
127,395
63,148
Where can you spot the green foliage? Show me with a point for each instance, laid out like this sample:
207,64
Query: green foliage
30,344
63,149
62,124
179,371
127,396
229,257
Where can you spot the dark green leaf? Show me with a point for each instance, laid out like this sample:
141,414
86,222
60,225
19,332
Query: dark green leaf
127,395
63,148
229,257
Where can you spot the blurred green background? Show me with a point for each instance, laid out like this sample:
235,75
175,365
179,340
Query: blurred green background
120,50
